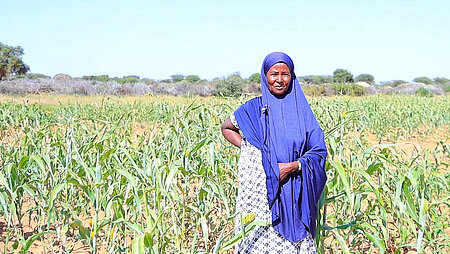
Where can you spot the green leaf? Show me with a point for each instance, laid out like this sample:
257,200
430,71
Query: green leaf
107,155
15,245
372,233
345,180
53,195
4,182
39,161
23,161
341,241
135,227
374,167
148,240
138,245
84,232
372,184
412,211
33,238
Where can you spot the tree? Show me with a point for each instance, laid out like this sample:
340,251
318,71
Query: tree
424,80
11,61
316,79
127,79
101,78
365,78
442,81
192,78
342,76
255,78
393,83
177,77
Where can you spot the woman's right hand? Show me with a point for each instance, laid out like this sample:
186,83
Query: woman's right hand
286,169
231,133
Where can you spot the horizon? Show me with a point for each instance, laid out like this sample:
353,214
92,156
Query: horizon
389,40
210,80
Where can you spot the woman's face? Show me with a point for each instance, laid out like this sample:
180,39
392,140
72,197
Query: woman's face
278,78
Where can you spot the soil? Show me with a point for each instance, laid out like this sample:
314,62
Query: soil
414,144
47,243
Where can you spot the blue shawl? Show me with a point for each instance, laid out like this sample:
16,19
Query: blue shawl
286,130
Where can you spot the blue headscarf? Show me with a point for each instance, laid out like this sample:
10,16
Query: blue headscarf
286,130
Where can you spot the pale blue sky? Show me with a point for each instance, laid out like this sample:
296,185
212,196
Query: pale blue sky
155,39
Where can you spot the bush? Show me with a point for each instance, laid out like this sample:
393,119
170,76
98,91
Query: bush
31,76
423,92
62,76
394,83
101,78
255,78
177,78
252,88
127,79
192,78
349,89
314,90
148,81
230,87
446,88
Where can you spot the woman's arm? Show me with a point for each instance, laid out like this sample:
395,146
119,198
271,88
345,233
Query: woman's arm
231,133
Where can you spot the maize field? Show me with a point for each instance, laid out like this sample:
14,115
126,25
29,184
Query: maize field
154,175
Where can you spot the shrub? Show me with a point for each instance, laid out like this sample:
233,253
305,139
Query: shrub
230,87
127,79
134,88
252,88
423,92
349,89
314,90
177,77
148,81
446,88
62,76
31,76
255,78
394,83
101,78
192,78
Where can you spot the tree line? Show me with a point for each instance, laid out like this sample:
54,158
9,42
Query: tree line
342,82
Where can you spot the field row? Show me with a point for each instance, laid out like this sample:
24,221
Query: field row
154,174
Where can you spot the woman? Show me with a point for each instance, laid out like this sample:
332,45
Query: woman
281,167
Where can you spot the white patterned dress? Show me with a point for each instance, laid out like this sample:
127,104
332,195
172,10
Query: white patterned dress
252,198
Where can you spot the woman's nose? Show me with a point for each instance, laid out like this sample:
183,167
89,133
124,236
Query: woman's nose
279,78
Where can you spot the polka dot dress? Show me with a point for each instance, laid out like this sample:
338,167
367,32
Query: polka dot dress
252,198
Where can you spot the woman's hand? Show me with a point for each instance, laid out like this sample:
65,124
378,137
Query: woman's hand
286,169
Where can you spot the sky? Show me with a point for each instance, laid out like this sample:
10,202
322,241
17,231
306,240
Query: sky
391,40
